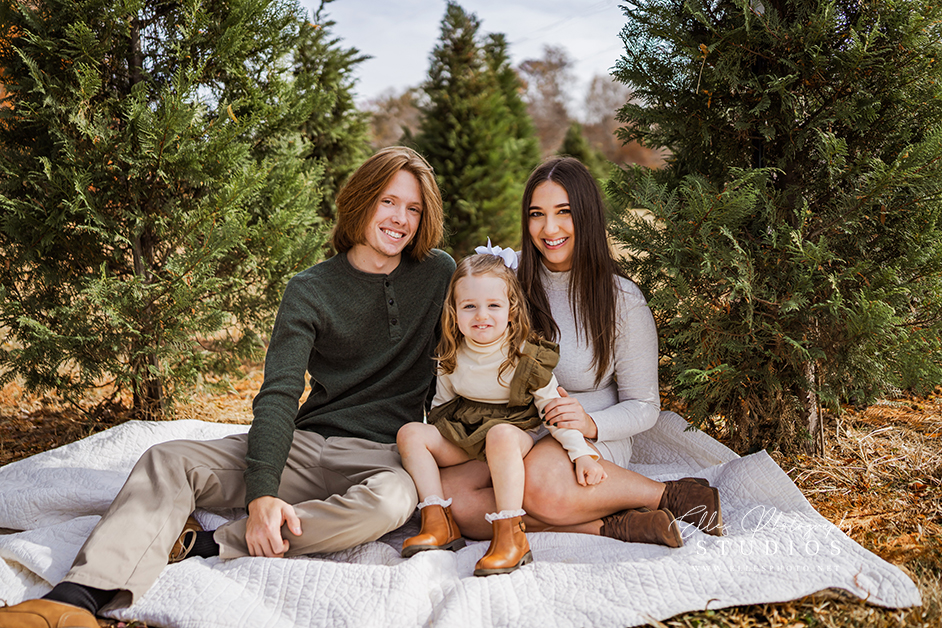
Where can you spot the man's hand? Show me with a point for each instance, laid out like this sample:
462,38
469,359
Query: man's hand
263,530
588,471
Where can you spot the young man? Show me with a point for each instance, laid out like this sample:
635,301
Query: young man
323,478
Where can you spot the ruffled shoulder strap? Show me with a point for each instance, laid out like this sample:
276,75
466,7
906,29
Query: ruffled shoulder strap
534,370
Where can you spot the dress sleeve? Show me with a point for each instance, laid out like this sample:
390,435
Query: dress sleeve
544,395
444,390
636,362
572,440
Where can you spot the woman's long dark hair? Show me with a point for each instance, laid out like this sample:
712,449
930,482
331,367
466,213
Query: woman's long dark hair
592,281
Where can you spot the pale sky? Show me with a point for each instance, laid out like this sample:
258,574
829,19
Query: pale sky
400,35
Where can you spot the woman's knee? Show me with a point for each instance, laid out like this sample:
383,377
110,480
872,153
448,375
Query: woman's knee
549,482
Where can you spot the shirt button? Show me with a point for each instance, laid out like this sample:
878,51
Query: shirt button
394,321
390,301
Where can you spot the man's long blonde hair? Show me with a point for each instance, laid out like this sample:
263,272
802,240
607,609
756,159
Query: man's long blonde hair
518,318
357,200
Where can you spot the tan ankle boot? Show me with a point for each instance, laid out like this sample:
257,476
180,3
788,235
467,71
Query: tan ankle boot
694,501
42,613
643,526
439,532
509,549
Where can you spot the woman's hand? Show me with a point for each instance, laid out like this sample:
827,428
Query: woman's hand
567,412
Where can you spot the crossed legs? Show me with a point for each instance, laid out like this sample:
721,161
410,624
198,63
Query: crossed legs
554,501
346,491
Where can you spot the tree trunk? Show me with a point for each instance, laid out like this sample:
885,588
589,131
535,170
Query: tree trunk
811,413
148,389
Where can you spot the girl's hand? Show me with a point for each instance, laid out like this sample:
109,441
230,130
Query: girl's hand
588,471
567,412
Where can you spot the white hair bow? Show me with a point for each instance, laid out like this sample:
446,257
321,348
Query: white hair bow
508,255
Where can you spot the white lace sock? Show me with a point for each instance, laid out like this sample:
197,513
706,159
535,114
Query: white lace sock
491,517
434,500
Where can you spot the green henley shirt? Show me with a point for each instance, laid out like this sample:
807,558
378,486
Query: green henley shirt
367,341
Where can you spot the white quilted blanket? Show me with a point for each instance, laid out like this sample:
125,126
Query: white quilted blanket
777,548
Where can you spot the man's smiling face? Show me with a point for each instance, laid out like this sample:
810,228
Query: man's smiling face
395,220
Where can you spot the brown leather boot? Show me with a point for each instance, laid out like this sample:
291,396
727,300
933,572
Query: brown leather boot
439,532
694,501
643,526
509,549
45,614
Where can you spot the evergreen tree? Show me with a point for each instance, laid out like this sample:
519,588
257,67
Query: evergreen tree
154,189
576,145
474,133
522,142
796,257
339,137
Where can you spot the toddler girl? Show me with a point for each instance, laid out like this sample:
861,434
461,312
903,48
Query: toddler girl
493,384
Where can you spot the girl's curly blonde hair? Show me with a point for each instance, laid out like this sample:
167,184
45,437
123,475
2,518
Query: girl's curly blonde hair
518,319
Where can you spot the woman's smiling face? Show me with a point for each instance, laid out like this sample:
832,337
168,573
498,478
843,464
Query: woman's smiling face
550,225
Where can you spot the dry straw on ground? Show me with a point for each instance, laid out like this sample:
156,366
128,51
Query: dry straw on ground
878,481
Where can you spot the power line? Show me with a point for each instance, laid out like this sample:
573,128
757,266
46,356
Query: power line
598,7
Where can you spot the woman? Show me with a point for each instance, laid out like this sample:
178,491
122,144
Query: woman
607,375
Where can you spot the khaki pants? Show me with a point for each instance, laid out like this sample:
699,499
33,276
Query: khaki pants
346,491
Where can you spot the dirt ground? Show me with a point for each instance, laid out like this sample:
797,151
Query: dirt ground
879,481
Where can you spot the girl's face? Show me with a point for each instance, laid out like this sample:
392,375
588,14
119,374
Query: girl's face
550,226
482,307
